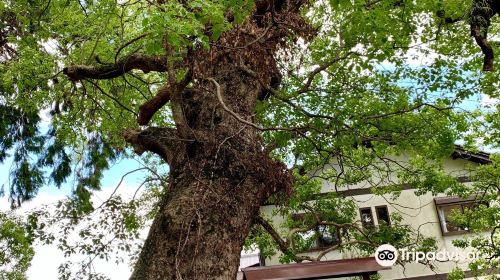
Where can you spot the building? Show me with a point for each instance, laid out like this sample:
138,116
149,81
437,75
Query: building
427,213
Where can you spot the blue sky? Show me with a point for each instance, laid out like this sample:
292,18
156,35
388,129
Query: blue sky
110,179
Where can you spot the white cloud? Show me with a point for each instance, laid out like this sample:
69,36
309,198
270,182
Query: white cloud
48,258
45,263
489,101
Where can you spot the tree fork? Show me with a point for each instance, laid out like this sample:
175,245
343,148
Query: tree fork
148,109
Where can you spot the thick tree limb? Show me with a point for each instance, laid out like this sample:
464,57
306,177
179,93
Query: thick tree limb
134,61
479,20
485,46
159,140
148,109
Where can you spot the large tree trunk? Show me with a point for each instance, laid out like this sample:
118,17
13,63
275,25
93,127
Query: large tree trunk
219,178
220,170
200,229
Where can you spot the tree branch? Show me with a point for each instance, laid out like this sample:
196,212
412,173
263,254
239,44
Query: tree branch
111,97
148,109
335,247
282,244
485,46
129,43
159,140
320,68
227,109
134,61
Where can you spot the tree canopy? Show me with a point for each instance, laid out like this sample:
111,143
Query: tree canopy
84,84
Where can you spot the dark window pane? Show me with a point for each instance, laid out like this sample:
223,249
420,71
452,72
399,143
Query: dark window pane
366,217
383,215
327,236
320,236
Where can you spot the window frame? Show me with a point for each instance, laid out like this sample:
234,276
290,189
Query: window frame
388,223
441,202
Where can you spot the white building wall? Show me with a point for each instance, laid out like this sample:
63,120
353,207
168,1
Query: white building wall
417,211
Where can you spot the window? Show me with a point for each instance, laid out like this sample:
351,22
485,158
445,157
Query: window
447,207
383,215
367,220
446,211
366,217
319,237
326,236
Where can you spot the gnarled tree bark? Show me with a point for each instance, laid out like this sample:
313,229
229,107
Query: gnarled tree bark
219,178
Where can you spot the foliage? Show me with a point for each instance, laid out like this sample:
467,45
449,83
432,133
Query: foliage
16,251
484,218
109,232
